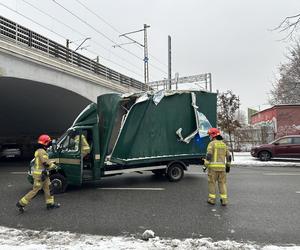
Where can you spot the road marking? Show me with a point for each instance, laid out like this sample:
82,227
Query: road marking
18,172
282,174
297,192
135,189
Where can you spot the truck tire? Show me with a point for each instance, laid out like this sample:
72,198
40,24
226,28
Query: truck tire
175,172
58,183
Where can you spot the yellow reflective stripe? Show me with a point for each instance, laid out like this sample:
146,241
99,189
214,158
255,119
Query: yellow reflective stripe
37,172
37,184
50,200
223,196
37,160
24,201
215,154
213,196
216,165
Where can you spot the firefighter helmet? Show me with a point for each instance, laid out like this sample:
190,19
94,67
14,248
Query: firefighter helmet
213,132
44,140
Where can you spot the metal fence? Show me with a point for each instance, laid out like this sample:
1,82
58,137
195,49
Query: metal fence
20,35
243,139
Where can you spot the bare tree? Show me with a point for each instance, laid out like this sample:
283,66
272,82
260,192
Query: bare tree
290,24
228,104
286,89
241,117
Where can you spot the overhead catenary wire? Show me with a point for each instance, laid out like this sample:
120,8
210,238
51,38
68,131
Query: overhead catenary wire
81,34
119,32
30,19
63,37
92,27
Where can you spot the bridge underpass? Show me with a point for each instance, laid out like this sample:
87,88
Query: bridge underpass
44,85
29,108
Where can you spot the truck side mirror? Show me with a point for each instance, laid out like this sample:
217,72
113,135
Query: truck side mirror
276,143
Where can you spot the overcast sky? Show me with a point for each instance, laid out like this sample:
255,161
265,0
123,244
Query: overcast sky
229,38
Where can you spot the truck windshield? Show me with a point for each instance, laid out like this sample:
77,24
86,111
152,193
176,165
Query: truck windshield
67,142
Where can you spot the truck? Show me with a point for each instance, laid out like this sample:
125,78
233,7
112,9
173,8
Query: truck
158,131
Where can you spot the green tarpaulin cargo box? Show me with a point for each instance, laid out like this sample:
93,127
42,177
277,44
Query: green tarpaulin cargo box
160,126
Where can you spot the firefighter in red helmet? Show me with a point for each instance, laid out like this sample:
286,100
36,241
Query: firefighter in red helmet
218,160
39,171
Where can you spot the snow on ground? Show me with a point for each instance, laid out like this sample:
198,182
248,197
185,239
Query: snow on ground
245,159
17,239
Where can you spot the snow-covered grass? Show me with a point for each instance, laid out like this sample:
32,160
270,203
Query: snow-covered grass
245,159
16,239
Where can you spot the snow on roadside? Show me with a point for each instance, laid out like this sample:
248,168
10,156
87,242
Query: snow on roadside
17,239
245,159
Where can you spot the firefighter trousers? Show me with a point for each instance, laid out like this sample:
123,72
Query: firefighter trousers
215,177
38,184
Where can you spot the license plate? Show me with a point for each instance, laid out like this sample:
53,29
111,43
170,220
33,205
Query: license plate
10,156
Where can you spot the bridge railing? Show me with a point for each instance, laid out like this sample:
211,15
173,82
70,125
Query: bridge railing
23,36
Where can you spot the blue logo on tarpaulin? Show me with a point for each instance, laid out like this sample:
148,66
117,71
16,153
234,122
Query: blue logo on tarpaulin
200,141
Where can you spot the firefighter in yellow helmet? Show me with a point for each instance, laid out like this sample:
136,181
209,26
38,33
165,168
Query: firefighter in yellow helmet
218,160
40,175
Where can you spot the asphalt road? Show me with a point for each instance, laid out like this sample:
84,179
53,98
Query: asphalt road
264,206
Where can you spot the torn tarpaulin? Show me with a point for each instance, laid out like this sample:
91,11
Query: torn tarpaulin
158,96
201,122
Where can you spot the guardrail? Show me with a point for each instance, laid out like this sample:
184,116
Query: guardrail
23,36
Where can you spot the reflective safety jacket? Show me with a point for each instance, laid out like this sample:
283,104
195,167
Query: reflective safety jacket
217,155
41,162
85,147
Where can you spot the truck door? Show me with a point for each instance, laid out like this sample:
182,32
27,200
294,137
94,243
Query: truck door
70,158
86,148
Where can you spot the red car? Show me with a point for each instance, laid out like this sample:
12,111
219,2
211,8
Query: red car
284,147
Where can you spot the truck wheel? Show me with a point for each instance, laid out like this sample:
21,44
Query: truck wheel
264,156
159,172
58,183
175,172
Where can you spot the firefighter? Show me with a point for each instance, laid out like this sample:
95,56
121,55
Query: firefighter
39,171
85,147
218,161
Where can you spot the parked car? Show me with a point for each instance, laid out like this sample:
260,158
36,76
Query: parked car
284,147
10,150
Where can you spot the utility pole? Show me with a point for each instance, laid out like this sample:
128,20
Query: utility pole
145,46
169,62
146,59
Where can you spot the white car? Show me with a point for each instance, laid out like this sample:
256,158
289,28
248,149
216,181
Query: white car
10,150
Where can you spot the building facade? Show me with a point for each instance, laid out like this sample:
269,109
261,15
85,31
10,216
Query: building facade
279,120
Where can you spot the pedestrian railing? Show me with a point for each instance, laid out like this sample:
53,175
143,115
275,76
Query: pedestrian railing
20,35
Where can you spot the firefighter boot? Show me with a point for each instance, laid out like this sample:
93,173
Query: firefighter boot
54,205
223,202
211,201
20,207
